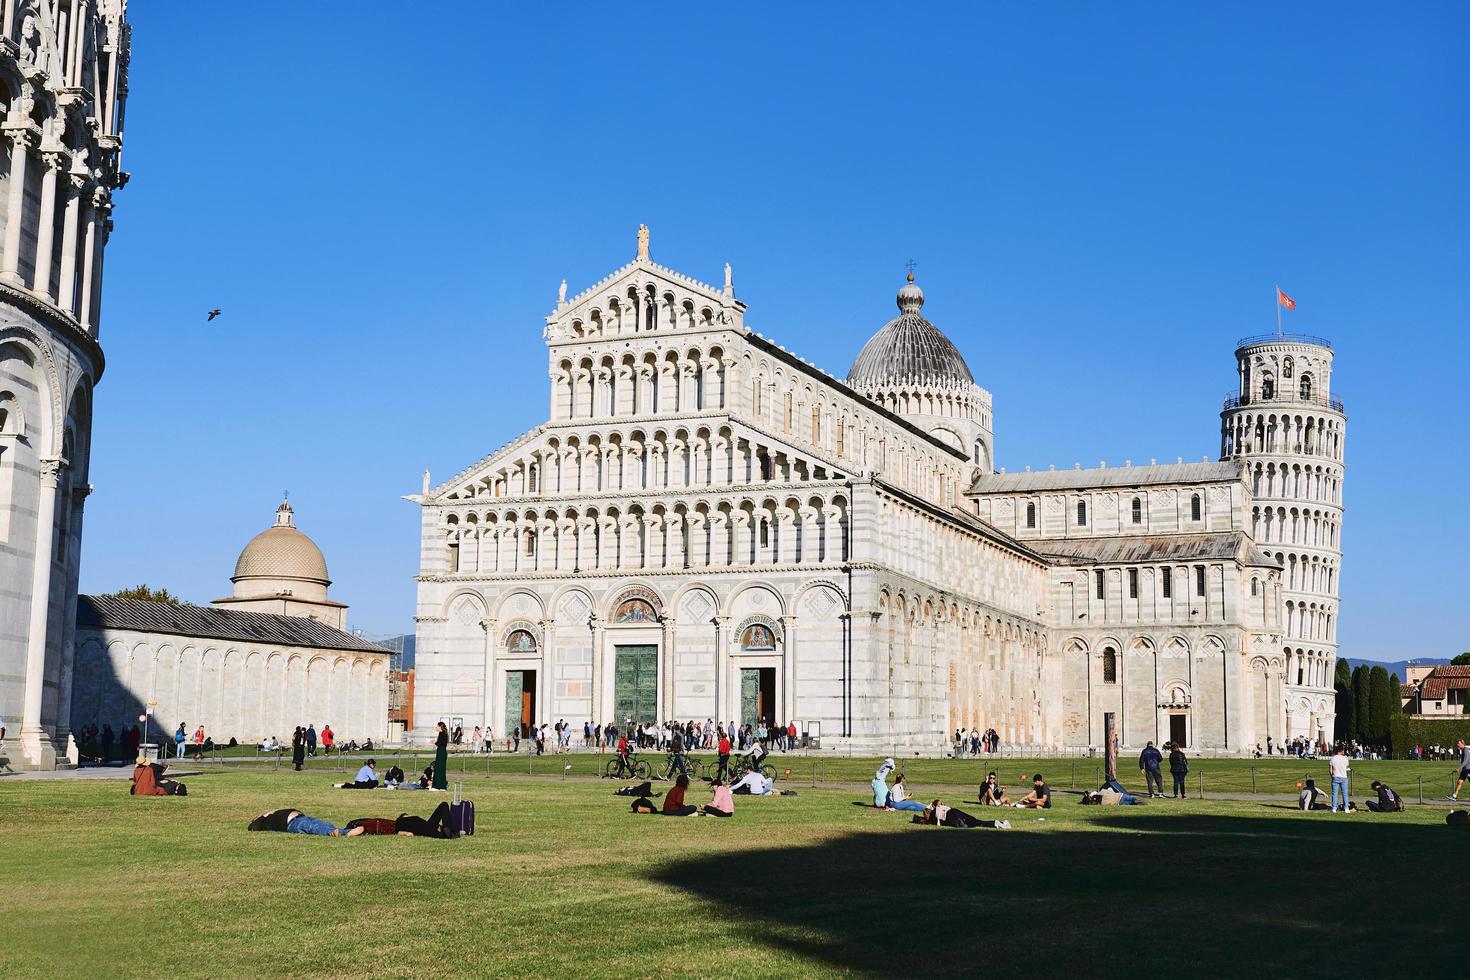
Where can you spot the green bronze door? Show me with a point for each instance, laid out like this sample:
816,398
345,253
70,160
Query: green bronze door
513,679
635,684
750,695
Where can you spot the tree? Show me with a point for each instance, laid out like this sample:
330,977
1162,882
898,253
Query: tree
1463,660
146,594
1342,683
1360,703
1380,705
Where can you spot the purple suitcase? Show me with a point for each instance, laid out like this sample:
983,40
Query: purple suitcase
461,814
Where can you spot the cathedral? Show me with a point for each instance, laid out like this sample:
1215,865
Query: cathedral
708,526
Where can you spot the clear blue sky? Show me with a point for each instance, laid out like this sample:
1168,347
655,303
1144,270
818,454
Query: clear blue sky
1099,197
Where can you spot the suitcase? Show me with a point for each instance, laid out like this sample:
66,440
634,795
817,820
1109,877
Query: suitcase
461,814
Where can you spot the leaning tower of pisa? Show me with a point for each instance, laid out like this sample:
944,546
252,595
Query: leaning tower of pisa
1288,428
63,85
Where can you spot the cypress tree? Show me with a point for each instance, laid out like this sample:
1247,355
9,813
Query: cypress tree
1380,704
1343,684
1360,703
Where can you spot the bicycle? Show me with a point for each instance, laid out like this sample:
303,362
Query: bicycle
747,763
692,766
629,768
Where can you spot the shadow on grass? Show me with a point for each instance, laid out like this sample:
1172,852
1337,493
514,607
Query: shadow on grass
1136,893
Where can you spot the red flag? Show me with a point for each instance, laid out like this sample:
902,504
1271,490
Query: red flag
1286,301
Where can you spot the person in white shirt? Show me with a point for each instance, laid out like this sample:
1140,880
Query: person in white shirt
899,799
367,777
1338,767
755,784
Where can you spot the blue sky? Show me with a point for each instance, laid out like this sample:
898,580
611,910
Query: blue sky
1099,198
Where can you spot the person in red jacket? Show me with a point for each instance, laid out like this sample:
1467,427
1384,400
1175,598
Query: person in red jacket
723,771
327,738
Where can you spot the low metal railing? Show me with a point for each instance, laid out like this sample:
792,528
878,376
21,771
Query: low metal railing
1283,338
1284,400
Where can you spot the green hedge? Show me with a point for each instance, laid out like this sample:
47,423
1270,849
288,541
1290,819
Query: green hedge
1404,732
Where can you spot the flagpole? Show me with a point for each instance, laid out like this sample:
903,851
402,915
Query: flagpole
1278,310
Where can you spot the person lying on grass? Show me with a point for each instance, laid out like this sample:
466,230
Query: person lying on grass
367,777
936,814
992,793
406,825
637,789
898,797
1040,796
289,821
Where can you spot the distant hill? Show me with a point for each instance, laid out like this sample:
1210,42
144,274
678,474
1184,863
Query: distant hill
1397,666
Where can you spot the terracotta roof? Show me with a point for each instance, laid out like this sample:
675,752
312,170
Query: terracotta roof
1135,549
107,612
1441,680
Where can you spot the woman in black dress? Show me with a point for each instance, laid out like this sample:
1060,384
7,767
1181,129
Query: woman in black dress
441,758
298,748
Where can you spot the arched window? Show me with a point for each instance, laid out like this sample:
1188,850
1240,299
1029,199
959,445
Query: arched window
531,480
765,533
1268,386
635,611
1110,666
1306,387
1255,584
765,464
1133,583
982,456
1098,582
1081,513
1137,511
530,538
1286,366
1030,515
520,641
1194,507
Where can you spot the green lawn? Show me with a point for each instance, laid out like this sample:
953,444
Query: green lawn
562,879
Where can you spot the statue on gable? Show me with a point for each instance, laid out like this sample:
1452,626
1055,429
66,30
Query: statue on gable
29,37
561,293
643,241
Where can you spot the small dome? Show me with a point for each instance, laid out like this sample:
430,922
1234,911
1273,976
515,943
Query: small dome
909,349
282,552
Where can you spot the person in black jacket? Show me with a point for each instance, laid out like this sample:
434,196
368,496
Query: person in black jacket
441,758
1178,768
298,748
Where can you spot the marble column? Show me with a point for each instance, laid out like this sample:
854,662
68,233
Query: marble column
598,634
34,740
788,670
66,284
546,683
722,669
46,228
666,681
490,629
20,143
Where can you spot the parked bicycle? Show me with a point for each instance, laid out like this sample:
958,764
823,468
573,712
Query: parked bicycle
630,767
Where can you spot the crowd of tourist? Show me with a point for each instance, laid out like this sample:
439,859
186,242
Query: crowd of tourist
974,742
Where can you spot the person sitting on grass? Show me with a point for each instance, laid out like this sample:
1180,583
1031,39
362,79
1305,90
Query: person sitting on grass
289,821
754,783
1310,797
674,805
367,777
1040,796
1388,801
936,814
148,780
880,784
992,793
898,797
722,804
406,825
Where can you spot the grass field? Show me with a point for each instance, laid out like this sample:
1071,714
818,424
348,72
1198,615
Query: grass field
562,879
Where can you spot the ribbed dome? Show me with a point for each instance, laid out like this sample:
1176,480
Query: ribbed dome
909,349
282,552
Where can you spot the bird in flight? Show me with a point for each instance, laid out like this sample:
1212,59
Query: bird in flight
212,315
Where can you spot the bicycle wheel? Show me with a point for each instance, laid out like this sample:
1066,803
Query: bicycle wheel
695,768
768,771
642,770
610,771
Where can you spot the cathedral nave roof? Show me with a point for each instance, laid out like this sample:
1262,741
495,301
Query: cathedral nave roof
1111,476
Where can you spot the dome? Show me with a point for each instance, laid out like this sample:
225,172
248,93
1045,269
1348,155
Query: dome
909,349
282,552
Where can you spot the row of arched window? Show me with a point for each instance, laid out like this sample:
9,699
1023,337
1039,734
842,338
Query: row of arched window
1196,511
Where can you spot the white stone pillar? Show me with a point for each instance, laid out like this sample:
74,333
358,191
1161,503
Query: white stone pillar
598,633
788,670
786,537
489,627
91,253
33,738
546,682
66,283
676,555
20,143
666,685
722,668
46,226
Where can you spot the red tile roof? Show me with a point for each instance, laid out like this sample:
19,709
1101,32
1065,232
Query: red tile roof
1441,680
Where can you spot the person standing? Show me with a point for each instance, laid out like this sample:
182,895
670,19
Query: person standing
1178,768
1338,767
723,771
441,758
298,748
1149,761
676,749
311,740
199,743
1464,773
328,737
180,737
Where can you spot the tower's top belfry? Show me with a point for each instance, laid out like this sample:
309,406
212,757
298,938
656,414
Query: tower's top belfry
63,88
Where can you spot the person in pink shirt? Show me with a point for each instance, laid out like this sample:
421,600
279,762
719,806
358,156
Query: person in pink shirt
722,805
